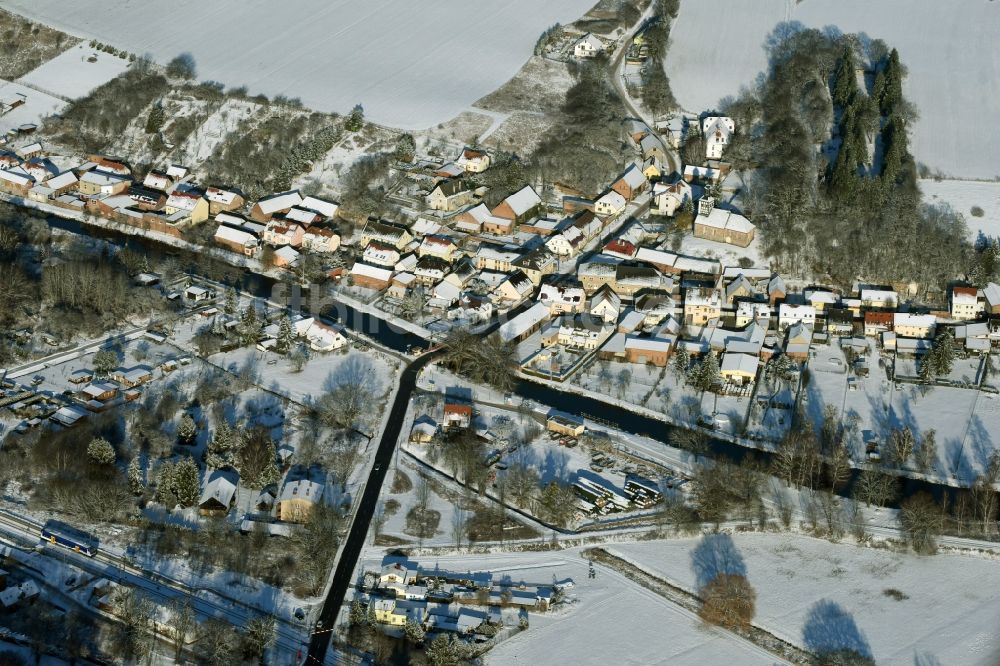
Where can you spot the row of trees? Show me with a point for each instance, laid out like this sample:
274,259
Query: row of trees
656,93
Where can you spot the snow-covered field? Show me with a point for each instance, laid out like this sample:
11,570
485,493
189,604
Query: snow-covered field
411,64
609,619
36,106
815,593
962,196
70,74
718,45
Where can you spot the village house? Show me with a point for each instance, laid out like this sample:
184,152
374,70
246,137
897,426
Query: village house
430,270
236,240
751,311
157,180
397,613
386,234
839,321
991,296
517,208
652,169
496,258
629,279
191,203
218,493
675,131
651,148
132,377
609,204
717,131
577,332
966,303
279,233
789,313
274,204
222,200
325,338
62,183
588,46
536,265
525,324
99,391
301,492
107,165
450,195
821,299
562,299
907,325
15,183
653,351
605,304
95,183
370,277
879,298
515,289
457,414
701,305
739,369
631,183
326,209
474,161
668,199
320,239
620,248
696,173
722,225
441,247
775,290
877,323
565,424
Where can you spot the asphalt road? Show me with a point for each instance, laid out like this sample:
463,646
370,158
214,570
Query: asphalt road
320,641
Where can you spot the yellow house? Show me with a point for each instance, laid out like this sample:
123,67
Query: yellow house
908,325
651,169
194,205
298,498
396,613
738,368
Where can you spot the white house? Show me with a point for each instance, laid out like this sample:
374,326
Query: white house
667,199
610,204
561,300
717,131
789,314
588,46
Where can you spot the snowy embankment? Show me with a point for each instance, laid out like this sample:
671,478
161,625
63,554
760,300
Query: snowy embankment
718,46
411,64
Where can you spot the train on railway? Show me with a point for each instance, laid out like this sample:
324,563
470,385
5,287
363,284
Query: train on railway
61,534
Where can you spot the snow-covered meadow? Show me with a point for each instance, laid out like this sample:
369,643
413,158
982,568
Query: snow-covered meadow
718,45
964,196
74,73
818,594
411,64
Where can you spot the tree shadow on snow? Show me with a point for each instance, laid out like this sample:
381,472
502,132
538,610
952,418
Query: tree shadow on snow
829,628
714,555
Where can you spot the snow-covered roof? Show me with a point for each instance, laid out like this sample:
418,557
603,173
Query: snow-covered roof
321,206
909,319
719,218
287,254
220,487
531,317
373,272
612,199
991,292
741,363
183,201
278,202
220,196
65,179
16,178
524,200
101,178
633,176
592,41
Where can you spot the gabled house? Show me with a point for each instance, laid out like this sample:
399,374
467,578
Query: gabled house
717,132
518,207
95,183
536,265
611,203
701,305
379,254
218,493
739,369
907,325
474,161
191,203
274,204
236,240
588,46
631,183
966,303
370,277
515,288
281,232
789,313
441,247
303,490
157,180
320,239
652,148
386,234
450,195
223,200
605,304
668,199
562,299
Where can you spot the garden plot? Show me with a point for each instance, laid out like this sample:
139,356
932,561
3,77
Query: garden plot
964,420
394,67
74,73
718,46
897,609
977,200
36,107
